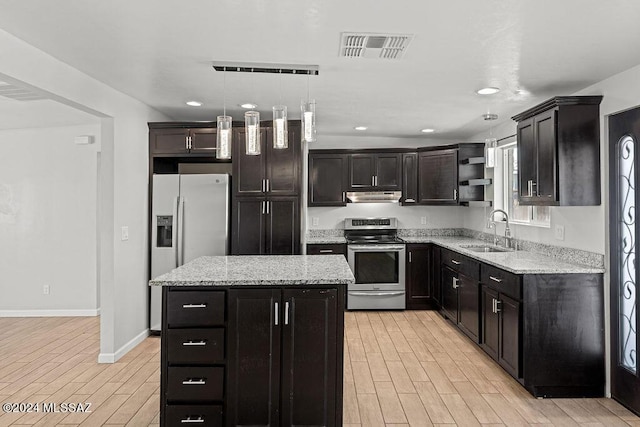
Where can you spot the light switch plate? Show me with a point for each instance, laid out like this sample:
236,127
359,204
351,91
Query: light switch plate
423,220
559,232
125,233
315,221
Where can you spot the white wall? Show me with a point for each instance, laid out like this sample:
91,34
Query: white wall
123,185
48,190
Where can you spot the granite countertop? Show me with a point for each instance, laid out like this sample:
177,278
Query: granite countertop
325,239
518,262
267,270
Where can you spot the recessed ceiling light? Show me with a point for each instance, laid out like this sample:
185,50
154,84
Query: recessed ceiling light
360,128
428,130
194,103
249,106
488,91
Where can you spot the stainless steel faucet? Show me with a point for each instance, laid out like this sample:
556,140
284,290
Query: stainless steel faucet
491,223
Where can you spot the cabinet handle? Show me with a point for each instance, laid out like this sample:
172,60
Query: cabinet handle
193,381
455,283
326,251
344,197
409,200
286,313
189,420
268,185
277,314
200,343
268,203
534,185
373,180
493,305
194,305
455,262
409,256
186,142
498,309
262,188
495,279
376,177
455,194
263,207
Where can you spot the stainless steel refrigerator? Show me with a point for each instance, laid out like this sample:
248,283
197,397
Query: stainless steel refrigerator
190,218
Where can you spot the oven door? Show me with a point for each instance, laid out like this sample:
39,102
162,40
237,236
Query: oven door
377,267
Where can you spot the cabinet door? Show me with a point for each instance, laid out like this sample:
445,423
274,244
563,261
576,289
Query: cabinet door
418,283
468,309
409,178
283,165
203,141
435,276
362,168
169,141
327,179
253,367
388,171
545,131
282,226
247,229
248,170
309,357
490,337
449,293
438,177
527,160
509,335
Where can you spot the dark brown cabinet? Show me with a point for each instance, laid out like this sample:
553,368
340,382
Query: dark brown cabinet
327,249
375,171
449,286
183,141
283,357
409,179
438,177
559,152
468,306
419,284
327,179
265,226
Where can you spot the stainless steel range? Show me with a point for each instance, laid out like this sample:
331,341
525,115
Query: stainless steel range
376,256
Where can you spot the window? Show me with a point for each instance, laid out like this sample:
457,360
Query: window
531,215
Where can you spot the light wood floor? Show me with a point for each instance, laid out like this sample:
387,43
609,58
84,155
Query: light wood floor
401,368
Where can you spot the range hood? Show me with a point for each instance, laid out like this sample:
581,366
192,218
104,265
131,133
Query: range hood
373,196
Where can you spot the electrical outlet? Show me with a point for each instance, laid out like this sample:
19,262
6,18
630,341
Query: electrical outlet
45,289
125,233
559,232
315,221
423,220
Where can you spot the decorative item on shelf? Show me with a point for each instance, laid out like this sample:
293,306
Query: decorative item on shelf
224,133
252,135
280,133
308,108
491,145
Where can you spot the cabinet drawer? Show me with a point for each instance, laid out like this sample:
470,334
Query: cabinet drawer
197,415
195,308
327,249
195,383
195,346
460,263
507,283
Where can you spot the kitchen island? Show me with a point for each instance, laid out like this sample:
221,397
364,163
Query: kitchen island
253,340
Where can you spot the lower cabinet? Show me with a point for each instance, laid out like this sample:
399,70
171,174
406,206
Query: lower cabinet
449,286
419,277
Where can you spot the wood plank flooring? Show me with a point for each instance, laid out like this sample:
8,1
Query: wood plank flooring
407,368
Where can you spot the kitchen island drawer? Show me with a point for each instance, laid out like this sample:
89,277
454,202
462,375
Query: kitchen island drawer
195,308
460,263
195,383
197,415
327,249
507,283
195,346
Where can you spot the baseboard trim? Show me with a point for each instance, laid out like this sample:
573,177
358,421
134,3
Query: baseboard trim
114,357
50,313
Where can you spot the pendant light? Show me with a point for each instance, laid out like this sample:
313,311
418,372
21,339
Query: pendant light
252,131
308,108
280,133
224,132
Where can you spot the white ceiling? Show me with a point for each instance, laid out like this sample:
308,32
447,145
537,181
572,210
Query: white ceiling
160,52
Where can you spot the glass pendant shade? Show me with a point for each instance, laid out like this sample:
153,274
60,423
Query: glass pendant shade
252,132
490,145
309,121
223,137
280,134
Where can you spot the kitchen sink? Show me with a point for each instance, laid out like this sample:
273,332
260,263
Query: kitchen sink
485,248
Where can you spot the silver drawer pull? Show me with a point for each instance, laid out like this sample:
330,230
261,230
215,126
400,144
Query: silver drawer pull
326,251
194,305
409,200
194,381
195,343
455,262
187,420
498,304
495,279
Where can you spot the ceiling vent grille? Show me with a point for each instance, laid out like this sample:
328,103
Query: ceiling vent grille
19,94
367,45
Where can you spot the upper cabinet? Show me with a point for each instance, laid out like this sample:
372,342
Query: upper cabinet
559,152
438,177
375,171
409,179
183,141
327,178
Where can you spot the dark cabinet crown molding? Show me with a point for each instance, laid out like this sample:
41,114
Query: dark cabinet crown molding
557,102
193,125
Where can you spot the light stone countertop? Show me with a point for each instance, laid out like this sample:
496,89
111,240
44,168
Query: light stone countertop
326,240
266,270
518,262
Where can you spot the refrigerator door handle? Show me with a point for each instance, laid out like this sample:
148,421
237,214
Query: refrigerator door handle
180,242
174,230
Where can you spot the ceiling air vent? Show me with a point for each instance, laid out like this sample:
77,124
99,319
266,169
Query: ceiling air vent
368,45
19,94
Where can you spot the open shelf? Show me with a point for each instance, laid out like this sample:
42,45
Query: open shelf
484,181
472,161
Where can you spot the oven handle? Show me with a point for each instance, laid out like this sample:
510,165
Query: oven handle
377,294
375,248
